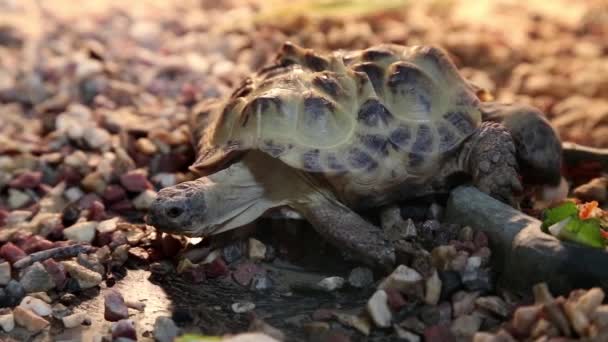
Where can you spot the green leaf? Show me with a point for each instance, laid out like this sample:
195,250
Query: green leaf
586,232
559,213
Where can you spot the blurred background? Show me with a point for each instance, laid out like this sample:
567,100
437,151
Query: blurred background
154,58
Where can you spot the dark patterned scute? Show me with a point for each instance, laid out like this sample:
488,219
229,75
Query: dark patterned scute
447,138
262,104
461,121
415,159
316,106
372,112
375,142
274,70
311,161
272,148
359,159
376,54
400,137
315,62
244,90
375,74
334,163
424,140
404,74
328,84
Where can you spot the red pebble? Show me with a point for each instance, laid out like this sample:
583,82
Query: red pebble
122,206
216,268
170,245
135,181
3,216
12,253
245,271
395,299
323,315
480,239
57,272
438,333
36,243
97,211
26,180
195,274
124,328
114,193
86,201
71,176
115,308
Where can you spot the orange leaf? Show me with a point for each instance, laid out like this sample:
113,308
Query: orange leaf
587,209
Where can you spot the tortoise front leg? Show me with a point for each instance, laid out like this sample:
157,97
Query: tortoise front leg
346,230
489,157
539,151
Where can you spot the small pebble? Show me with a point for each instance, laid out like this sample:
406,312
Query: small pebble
331,283
5,273
115,308
361,277
17,199
7,322
242,307
85,277
12,253
165,329
257,249
36,305
57,272
124,328
493,304
232,252
74,320
81,232
29,320
432,289
401,279
27,180
466,326
377,307
463,303
144,199
35,278
135,181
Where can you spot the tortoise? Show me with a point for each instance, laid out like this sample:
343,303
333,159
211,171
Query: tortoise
329,135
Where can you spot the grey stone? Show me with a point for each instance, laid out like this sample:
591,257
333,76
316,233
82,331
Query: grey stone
361,277
35,278
165,329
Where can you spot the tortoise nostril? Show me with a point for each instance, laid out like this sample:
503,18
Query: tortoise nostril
174,212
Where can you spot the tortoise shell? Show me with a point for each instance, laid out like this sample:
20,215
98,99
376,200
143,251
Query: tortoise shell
356,111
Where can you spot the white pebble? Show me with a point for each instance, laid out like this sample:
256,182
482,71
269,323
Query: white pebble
242,307
36,305
74,320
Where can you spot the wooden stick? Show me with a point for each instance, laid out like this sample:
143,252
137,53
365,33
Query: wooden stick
522,253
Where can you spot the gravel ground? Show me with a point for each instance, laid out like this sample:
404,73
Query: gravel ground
93,105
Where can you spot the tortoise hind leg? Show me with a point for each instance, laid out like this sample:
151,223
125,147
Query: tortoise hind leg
347,230
539,152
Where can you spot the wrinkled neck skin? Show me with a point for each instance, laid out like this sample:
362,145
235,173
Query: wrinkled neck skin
243,192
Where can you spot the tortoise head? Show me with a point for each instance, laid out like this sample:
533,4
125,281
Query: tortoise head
227,199
182,209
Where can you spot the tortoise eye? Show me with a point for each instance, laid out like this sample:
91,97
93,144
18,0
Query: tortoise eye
174,212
